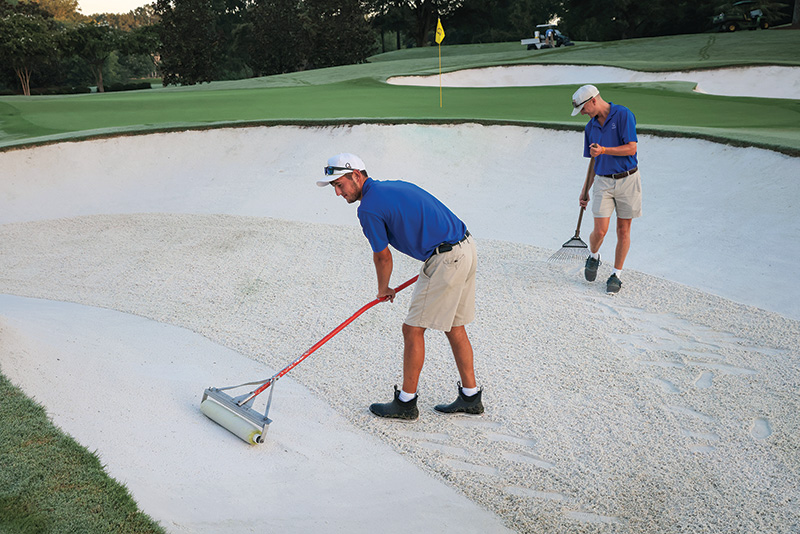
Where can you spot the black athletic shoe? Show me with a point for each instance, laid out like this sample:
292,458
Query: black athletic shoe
614,284
590,272
463,404
396,409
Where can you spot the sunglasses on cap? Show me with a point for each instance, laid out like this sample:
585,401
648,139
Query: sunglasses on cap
329,170
577,105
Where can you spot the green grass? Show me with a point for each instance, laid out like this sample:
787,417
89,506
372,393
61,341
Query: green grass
49,483
358,93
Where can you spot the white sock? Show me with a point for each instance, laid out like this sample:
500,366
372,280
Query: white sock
405,397
469,392
595,255
617,272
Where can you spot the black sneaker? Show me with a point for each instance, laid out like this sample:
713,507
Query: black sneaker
590,272
614,284
396,409
463,404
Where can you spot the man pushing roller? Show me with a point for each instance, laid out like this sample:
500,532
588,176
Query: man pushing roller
609,138
414,222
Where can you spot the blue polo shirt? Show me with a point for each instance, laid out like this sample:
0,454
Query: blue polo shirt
407,217
619,129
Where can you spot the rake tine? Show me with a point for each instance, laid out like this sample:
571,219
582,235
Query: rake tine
575,250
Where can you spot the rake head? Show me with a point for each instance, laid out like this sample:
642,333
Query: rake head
573,251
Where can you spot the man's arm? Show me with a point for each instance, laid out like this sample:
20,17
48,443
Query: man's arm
383,269
628,149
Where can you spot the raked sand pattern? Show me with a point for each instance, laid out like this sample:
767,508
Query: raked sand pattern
661,409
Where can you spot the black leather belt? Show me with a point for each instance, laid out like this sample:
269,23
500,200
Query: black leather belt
447,247
620,174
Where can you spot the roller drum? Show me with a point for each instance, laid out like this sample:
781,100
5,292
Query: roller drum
232,422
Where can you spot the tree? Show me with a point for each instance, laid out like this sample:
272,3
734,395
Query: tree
27,44
390,18
278,37
94,44
486,21
340,33
189,41
141,16
60,9
424,14
141,44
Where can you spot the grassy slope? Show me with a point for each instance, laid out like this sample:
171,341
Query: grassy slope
49,483
357,92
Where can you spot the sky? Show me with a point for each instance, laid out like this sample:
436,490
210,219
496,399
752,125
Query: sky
90,7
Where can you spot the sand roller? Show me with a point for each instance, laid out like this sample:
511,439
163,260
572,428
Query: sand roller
238,414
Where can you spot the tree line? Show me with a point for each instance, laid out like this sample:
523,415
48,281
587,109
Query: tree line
50,43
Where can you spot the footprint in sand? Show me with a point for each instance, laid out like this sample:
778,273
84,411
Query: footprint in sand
666,385
703,381
760,429
690,412
544,495
474,468
528,459
513,439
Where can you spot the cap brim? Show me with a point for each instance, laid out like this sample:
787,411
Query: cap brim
323,183
577,110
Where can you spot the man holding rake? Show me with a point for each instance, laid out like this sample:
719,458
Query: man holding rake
414,222
609,138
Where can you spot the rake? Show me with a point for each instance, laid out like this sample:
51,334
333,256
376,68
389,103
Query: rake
575,250
237,414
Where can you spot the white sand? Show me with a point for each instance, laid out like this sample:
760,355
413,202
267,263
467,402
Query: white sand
784,82
671,407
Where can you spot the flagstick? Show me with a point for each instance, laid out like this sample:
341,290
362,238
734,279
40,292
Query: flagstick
440,74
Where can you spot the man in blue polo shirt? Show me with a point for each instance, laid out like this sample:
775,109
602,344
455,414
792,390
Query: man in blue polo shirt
609,138
414,222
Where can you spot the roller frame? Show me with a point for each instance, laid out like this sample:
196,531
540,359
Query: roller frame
244,411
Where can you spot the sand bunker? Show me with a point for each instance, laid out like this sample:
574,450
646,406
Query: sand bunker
784,82
670,407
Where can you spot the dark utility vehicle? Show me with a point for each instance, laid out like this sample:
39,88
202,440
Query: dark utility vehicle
744,15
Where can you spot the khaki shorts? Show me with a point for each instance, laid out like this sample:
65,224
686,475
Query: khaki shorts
624,195
444,295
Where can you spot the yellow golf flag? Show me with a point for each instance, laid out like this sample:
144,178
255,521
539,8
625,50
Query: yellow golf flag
439,32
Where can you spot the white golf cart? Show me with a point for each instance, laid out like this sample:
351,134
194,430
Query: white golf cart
547,36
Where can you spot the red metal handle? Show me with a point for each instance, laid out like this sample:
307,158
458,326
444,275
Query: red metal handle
325,339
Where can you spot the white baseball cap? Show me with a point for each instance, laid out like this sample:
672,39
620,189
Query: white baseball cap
582,96
339,165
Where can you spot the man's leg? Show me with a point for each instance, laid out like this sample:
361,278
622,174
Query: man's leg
599,233
623,242
462,352
413,356
595,241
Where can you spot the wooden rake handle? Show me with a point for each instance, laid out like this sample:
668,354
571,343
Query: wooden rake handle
585,195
